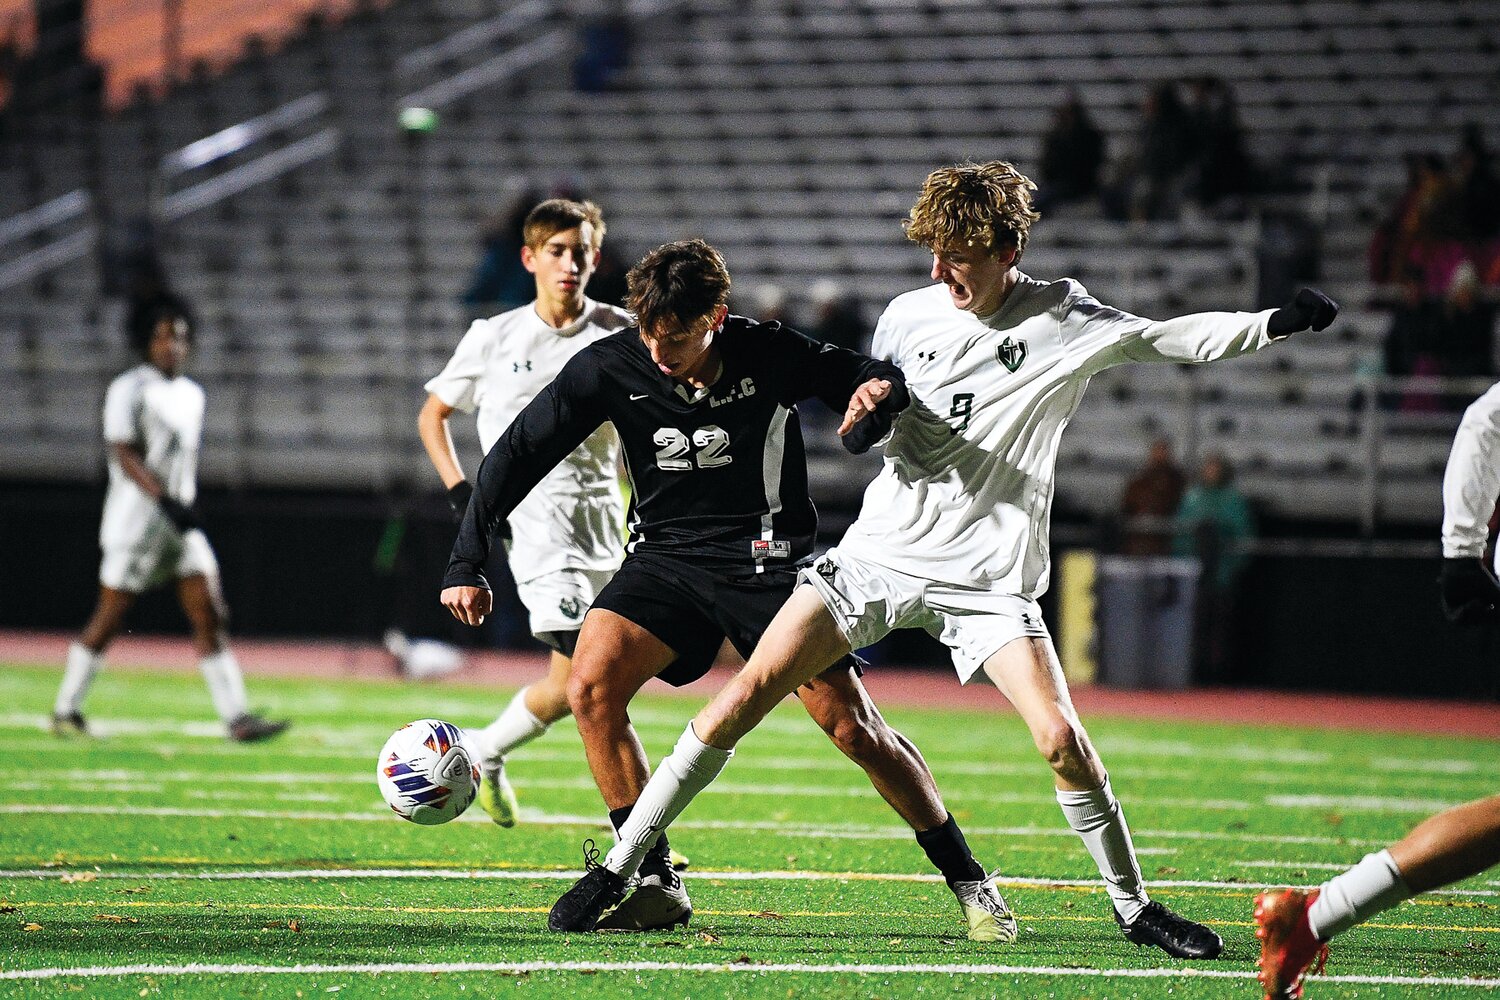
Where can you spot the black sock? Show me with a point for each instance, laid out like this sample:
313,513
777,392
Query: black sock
660,850
949,852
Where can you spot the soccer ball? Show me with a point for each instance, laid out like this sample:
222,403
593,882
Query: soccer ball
425,772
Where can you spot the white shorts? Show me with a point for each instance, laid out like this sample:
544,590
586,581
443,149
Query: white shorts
157,559
870,601
557,602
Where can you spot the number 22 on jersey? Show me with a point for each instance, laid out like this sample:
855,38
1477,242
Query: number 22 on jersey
705,450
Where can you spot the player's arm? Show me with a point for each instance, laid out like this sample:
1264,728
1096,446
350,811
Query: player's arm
554,423
432,428
867,391
1471,487
1110,336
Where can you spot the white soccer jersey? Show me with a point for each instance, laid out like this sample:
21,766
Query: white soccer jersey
965,494
572,518
1471,484
163,418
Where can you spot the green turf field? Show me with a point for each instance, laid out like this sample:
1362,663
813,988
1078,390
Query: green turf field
161,845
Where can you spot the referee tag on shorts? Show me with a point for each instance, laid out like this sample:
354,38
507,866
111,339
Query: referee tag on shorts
762,549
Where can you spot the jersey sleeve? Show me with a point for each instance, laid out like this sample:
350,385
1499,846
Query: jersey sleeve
558,420
830,373
1471,483
1101,336
122,411
455,384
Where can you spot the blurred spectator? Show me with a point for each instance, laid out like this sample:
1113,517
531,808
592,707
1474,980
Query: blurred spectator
1167,150
608,283
1411,347
1224,168
1391,247
837,317
768,303
603,44
1213,524
1072,156
500,280
1150,501
1466,327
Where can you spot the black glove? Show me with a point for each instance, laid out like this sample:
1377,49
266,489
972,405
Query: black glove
1470,593
179,513
459,495
1310,310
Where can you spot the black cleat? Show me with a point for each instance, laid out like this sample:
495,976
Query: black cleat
249,728
580,907
1177,936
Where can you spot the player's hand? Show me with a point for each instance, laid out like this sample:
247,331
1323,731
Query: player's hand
183,518
1469,593
458,498
468,604
1309,310
863,403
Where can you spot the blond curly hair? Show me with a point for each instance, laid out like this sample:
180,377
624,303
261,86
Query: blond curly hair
973,205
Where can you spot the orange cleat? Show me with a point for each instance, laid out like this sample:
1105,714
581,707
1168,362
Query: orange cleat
1287,945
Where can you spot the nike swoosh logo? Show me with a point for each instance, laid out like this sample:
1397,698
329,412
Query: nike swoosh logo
634,397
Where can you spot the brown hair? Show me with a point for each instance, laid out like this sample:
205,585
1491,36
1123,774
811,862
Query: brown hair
977,205
677,284
557,215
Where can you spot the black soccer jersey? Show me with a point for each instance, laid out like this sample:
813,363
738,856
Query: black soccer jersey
719,474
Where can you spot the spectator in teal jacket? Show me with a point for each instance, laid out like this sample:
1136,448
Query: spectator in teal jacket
1212,522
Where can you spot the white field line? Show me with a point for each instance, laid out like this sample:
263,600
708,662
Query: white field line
99,971
361,737
799,831
708,875
1360,803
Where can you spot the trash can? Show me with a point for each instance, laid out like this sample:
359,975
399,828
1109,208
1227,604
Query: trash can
1144,608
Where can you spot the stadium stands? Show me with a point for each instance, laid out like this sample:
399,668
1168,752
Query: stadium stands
793,136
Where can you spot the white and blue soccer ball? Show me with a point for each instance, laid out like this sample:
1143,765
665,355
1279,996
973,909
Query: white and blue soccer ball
426,773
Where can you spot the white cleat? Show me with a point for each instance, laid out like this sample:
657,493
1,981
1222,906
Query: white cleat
496,797
660,901
988,916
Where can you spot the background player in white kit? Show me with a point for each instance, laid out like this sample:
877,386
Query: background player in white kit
153,422
565,536
953,534
1295,925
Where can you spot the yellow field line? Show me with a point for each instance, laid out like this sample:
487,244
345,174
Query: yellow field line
295,908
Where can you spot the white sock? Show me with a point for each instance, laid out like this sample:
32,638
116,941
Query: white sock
512,728
689,768
1370,887
82,664
1097,818
225,684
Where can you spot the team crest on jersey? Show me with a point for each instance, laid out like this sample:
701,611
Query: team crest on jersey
1012,354
571,607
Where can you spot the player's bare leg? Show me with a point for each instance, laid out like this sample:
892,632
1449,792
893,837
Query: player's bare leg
615,658
85,657
1295,925
1027,672
203,604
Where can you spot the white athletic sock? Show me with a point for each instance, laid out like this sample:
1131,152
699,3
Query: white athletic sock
689,768
1097,818
82,664
1370,887
225,684
512,728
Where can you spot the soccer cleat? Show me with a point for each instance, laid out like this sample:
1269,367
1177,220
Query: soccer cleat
1177,936
580,908
1288,947
249,728
680,861
986,911
659,902
496,797
69,725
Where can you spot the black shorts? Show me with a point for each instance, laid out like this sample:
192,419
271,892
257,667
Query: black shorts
692,611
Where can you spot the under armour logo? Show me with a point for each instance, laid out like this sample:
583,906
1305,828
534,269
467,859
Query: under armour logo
515,366
927,355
